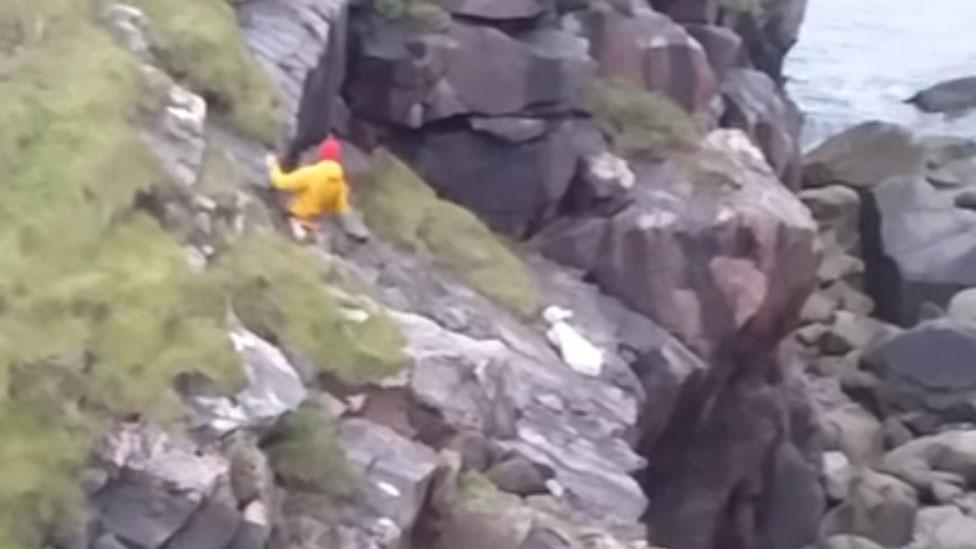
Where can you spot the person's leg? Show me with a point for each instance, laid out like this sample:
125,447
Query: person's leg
299,228
311,228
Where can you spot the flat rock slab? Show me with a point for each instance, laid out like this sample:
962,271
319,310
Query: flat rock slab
145,516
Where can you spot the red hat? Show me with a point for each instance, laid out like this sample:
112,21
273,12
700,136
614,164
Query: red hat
330,149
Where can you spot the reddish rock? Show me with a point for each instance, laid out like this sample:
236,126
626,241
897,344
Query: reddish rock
722,45
723,258
756,105
650,50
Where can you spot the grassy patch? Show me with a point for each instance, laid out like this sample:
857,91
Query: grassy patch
34,447
99,310
305,454
401,208
477,494
641,122
200,42
278,290
83,287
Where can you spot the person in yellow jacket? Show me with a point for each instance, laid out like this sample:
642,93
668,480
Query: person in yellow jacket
316,190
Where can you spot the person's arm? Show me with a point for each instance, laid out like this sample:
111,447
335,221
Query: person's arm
293,181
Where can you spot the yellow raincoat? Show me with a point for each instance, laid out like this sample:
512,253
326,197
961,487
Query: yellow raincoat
316,189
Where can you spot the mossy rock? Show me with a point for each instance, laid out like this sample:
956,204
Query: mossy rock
642,122
754,7
199,41
306,454
477,494
401,208
280,290
98,308
421,16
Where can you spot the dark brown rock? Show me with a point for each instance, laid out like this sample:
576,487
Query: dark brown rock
411,80
651,51
512,187
769,33
677,256
689,11
757,106
748,296
722,45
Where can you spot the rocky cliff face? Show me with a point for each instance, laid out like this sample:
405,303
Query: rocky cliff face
494,107
427,387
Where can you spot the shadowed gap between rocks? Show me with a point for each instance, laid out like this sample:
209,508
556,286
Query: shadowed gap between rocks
881,279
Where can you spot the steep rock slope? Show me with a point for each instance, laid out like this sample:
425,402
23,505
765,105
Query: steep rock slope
519,149
242,391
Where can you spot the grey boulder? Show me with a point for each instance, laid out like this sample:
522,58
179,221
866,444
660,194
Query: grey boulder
927,462
950,96
854,431
410,80
945,527
879,507
929,368
962,307
837,209
863,156
398,472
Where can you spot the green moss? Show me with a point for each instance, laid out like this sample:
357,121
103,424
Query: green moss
99,311
401,208
279,290
641,122
306,454
200,41
85,287
477,494
754,7
420,15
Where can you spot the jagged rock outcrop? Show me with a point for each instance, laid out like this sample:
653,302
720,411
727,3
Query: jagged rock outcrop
754,104
649,50
769,32
731,192
289,40
732,316
723,47
768,29
514,181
